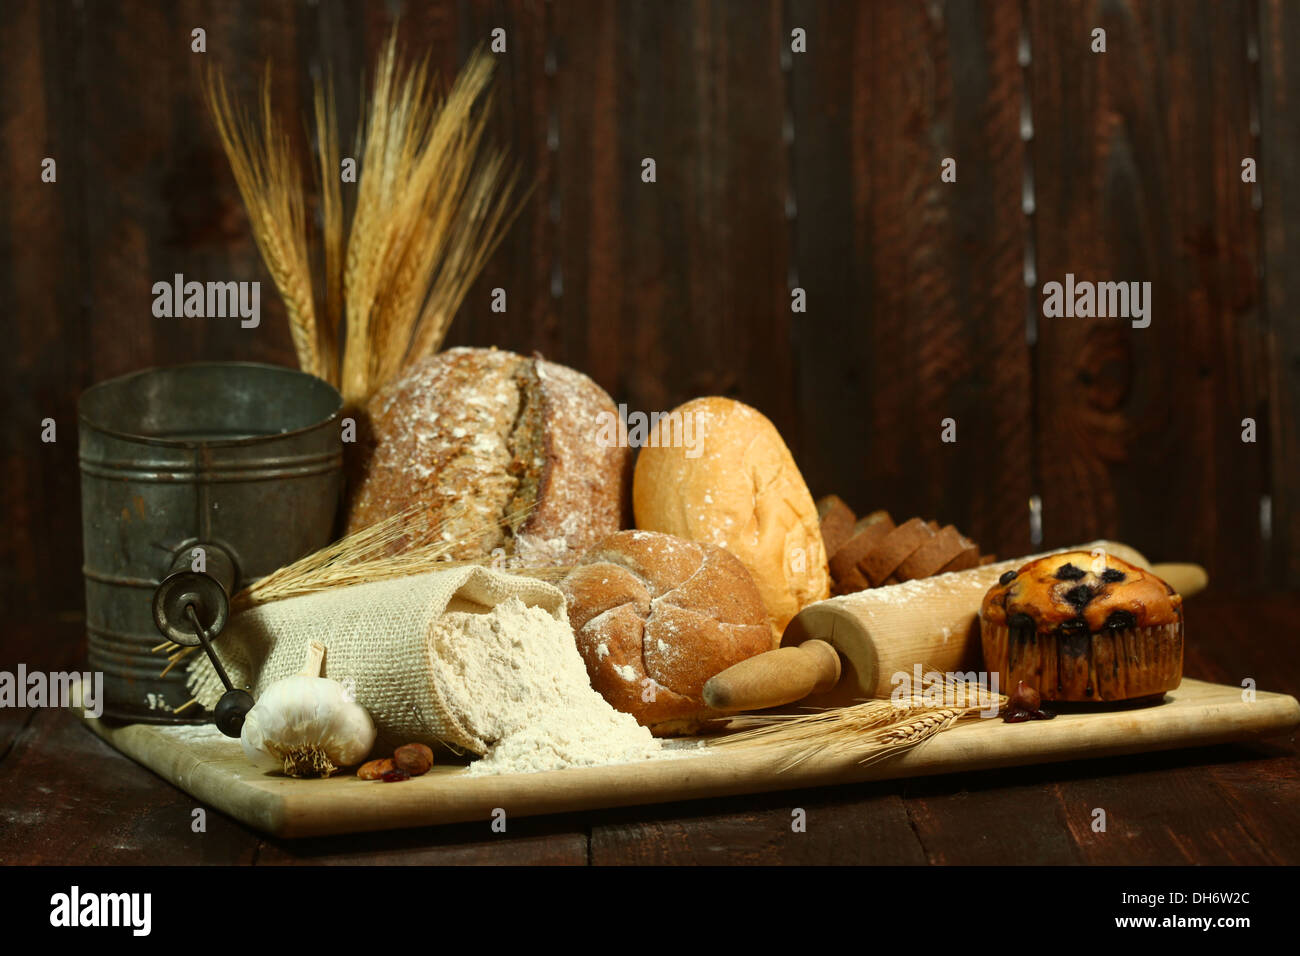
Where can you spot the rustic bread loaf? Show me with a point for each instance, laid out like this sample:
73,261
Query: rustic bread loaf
738,487
501,450
655,616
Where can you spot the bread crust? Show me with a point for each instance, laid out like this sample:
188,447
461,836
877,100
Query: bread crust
499,450
655,616
894,549
933,554
742,492
837,521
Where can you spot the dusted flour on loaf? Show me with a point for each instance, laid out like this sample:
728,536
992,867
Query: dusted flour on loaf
499,451
655,616
738,488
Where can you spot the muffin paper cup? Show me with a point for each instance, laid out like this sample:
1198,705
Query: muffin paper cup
1106,665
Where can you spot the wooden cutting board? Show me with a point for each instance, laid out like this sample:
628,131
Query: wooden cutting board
212,768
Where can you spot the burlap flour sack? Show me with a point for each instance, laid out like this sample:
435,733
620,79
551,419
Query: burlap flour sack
376,636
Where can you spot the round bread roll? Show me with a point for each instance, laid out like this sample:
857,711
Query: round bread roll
655,616
716,470
500,450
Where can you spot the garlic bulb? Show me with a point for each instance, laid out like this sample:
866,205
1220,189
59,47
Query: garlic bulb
307,725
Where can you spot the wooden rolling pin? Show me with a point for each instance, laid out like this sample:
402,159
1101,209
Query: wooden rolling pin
846,648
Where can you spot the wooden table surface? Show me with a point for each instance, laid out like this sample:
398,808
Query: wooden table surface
68,798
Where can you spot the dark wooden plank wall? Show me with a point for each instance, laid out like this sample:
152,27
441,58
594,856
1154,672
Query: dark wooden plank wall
775,169
1279,75
1140,177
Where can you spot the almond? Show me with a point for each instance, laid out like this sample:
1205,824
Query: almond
375,769
415,759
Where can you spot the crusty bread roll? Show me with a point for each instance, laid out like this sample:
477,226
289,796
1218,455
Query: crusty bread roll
735,484
502,451
655,616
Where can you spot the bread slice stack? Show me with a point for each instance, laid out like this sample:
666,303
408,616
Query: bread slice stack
873,551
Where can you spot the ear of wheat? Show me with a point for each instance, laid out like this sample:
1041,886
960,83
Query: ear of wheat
262,161
870,730
405,544
433,200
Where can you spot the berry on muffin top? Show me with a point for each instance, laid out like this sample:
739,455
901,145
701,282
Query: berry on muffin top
1081,589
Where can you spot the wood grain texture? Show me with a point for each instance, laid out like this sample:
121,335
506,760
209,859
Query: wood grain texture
43,263
559,840
663,292
674,288
865,826
1279,147
916,304
1236,803
69,801
1137,153
820,168
1160,809
213,770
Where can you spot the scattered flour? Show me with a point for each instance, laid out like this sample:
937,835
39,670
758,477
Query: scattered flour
515,679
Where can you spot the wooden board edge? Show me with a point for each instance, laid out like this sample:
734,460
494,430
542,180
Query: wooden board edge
286,814
738,775
189,773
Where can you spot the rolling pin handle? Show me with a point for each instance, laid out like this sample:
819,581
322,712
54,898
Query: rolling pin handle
773,678
1186,579
829,667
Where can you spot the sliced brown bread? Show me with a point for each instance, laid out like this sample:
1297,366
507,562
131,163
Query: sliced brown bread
894,549
932,555
844,565
837,520
968,557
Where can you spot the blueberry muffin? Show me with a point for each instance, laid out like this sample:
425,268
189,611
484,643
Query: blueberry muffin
1084,626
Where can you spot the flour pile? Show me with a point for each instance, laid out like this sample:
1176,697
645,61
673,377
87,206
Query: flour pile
514,678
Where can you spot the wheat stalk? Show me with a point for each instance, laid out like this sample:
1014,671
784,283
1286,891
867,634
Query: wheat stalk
927,725
261,159
387,131
332,226
869,730
405,544
432,204
486,218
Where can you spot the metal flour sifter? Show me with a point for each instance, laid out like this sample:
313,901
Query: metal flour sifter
195,480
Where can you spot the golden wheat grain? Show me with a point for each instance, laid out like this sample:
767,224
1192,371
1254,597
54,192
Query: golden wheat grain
439,253
922,727
368,238
482,226
405,544
869,730
332,228
432,205
261,159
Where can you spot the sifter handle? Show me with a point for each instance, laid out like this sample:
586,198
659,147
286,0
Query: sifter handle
191,607
206,591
